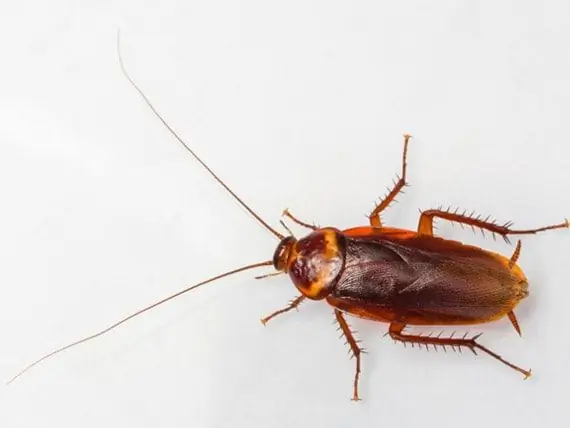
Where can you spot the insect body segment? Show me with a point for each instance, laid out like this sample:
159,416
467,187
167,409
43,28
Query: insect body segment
314,262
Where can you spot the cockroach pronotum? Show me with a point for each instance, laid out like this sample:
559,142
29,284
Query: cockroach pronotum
385,274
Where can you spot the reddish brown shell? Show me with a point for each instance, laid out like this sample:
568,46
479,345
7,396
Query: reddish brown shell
316,261
398,275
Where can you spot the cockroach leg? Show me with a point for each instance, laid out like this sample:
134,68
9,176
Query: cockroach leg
425,226
514,322
356,351
516,255
374,216
396,333
292,305
286,213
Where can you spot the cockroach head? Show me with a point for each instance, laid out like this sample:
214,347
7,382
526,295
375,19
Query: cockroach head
314,262
281,255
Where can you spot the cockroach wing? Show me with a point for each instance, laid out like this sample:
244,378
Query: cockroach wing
425,281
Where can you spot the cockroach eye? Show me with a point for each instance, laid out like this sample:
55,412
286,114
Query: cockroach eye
281,255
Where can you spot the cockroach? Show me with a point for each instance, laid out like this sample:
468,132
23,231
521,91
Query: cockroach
385,274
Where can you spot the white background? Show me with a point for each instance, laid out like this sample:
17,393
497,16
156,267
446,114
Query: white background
297,104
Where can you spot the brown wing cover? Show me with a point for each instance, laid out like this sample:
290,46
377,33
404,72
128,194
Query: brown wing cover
413,279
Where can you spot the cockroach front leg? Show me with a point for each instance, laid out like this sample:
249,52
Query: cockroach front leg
396,333
356,351
398,186
292,305
425,226
288,214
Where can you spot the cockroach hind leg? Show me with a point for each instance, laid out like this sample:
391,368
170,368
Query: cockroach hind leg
397,188
355,349
292,305
396,332
514,322
425,225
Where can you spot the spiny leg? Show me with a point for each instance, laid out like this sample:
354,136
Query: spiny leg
425,226
356,351
374,216
396,333
292,305
286,213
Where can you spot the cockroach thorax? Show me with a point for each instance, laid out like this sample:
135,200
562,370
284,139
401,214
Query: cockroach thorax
314,262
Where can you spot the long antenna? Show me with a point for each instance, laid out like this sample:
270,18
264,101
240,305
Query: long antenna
139,312
181,141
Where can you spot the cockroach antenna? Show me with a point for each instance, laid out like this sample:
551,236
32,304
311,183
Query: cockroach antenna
135,314
186,290
188,149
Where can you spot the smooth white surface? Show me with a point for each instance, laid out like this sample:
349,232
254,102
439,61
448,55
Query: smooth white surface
296,104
